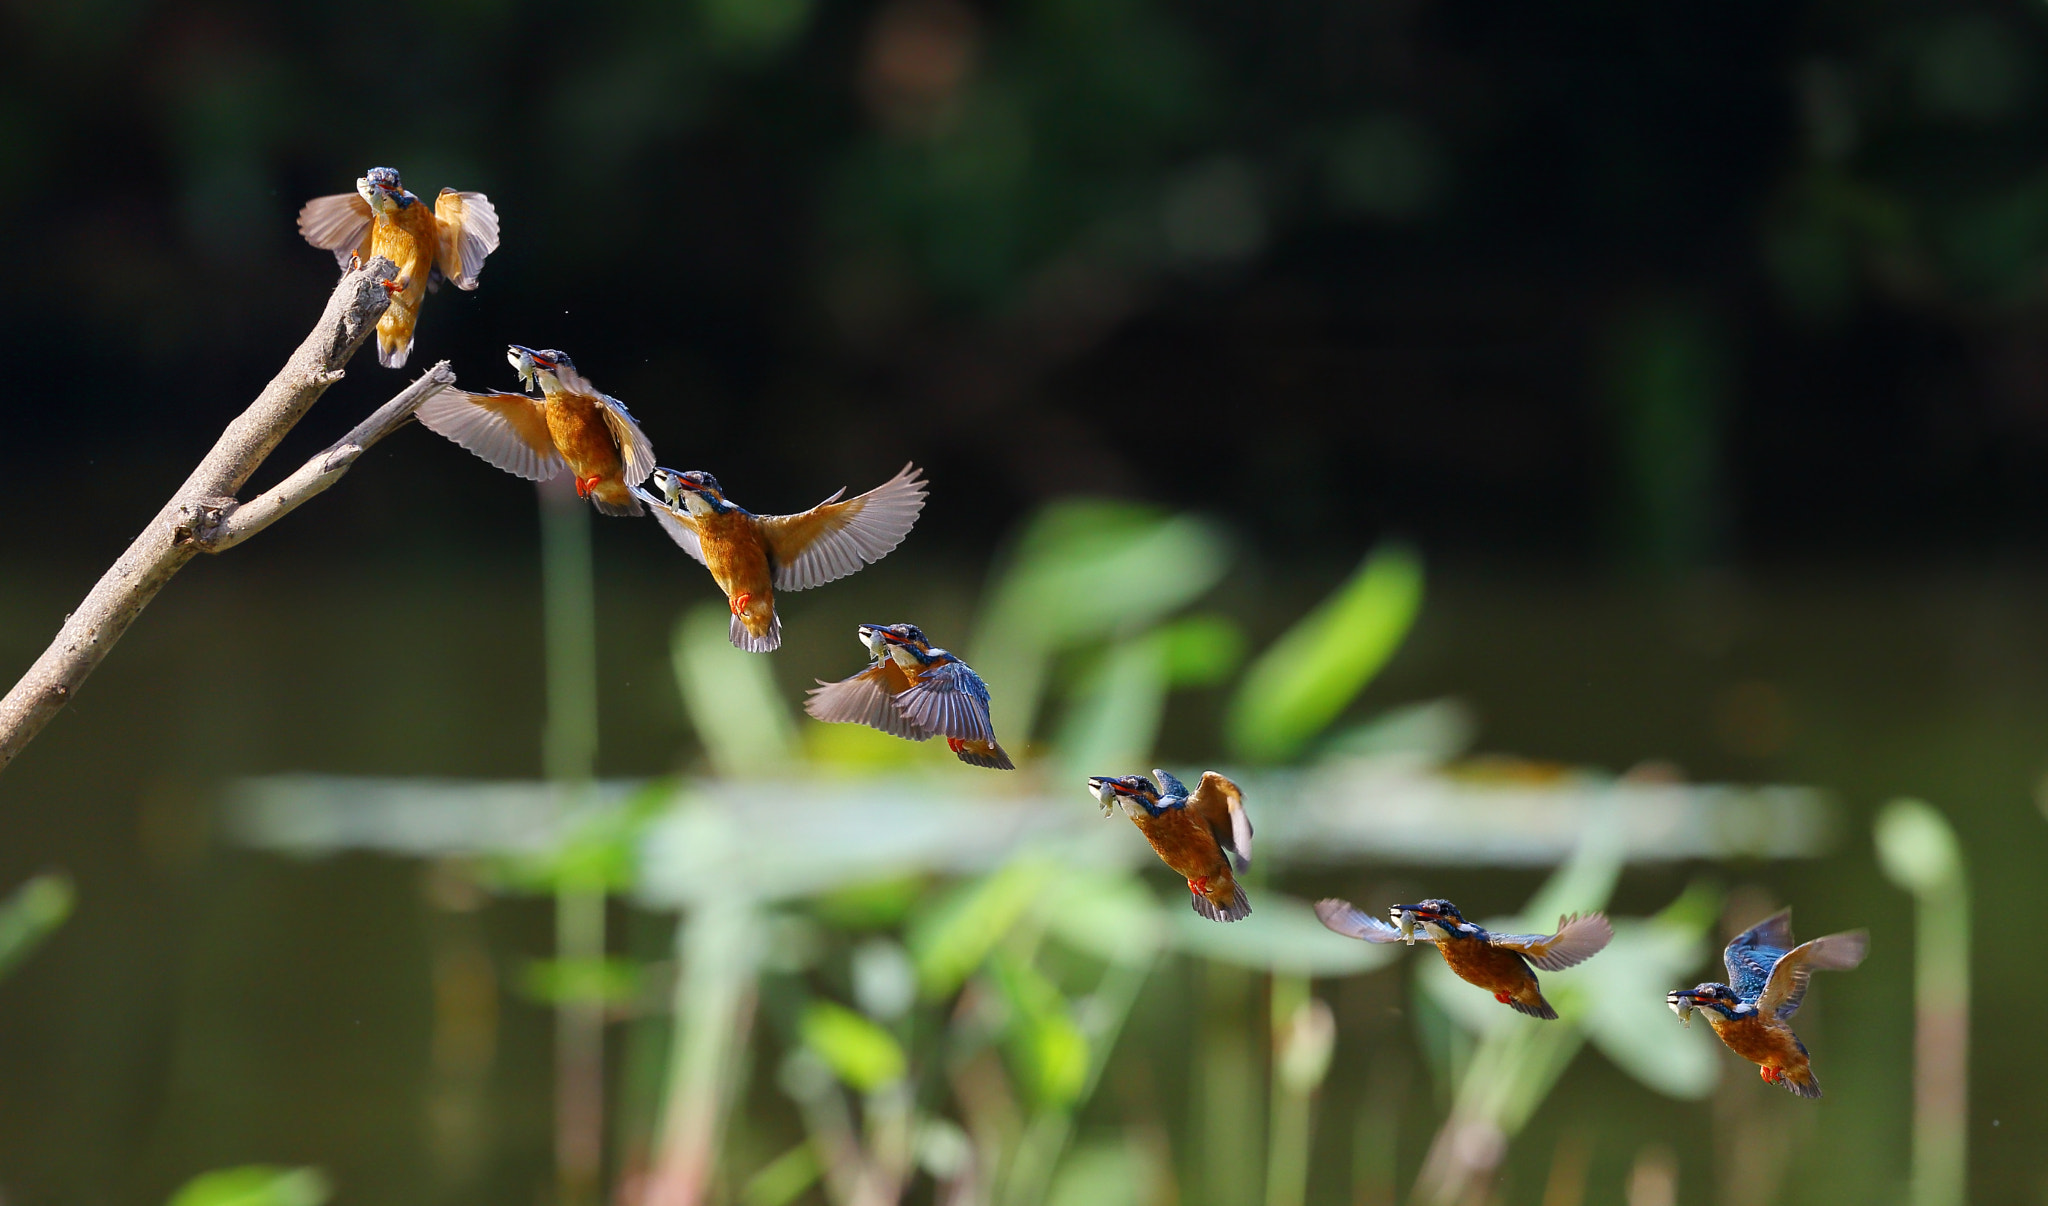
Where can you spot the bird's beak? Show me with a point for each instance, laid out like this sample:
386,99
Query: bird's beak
1682,1004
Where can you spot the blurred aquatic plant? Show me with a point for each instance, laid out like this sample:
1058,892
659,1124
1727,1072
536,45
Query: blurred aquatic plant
1919,852
31,914
255,1185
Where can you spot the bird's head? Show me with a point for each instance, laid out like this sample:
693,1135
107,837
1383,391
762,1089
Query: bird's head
904,642
543,367
695,491
1135,794
1441,911
382,189
1718,997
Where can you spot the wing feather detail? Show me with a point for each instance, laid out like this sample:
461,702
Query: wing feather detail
508,430
1577,940
867,698
1786,987
635,449
951,700
468,232
1220,803
1755,951
1343,917
834,539
680,527
340,223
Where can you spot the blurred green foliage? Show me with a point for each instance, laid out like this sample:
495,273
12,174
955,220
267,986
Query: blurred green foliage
31,914
255,1185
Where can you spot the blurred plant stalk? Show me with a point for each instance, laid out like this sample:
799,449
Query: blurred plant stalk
569,759
1919,852
1304,1035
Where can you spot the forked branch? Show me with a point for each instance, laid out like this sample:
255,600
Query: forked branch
203,515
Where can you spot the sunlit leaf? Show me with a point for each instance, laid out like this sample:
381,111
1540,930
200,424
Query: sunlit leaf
951,940
608,981
783,1179
1200,651
1045,1043
31,914
1313,672
1114,720
255,1185
860,1053
732,699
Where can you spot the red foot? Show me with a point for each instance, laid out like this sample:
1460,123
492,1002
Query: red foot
1199,887
1770,1074
1504,998
954,744
355,262
392,286
584,485
739,603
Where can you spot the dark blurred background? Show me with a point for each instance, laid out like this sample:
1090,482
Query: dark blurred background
1699,348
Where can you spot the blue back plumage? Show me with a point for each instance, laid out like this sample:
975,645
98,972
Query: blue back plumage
1172,792
1755,952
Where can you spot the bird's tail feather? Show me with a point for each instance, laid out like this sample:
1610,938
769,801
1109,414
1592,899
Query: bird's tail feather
1538,1008
1240,905
1801,1081
767,642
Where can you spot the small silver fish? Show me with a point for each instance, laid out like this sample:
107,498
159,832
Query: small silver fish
1404,920
1682,1007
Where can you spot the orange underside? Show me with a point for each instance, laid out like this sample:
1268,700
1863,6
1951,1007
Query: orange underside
1185,844
1498,971
738,560
1768,1045
577,427
408,240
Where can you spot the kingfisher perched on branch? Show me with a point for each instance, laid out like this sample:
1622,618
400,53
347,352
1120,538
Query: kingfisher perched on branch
572,421
753,556
1502,964
1192,832
380,218
917,691
1769,976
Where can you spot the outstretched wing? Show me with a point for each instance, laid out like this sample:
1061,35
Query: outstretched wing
1755,952
1577,940
951,700
634,447
1220,803
1343,917
867,698
468,228
339,223
1786,987
679,524
508,430
833,539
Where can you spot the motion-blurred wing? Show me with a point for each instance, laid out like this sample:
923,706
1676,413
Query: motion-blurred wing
634,447
1786,987
468,232
508,430
833,539
680,527
339,223
1577,940
949,699
1343,917
1755,952
867,698
1220,803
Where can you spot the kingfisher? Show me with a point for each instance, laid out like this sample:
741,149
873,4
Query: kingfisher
1502,964
1769,976
381,218
752,556
1192,832
572,421
916,691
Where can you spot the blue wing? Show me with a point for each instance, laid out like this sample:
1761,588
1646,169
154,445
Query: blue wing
1755,952
949,699
1172,792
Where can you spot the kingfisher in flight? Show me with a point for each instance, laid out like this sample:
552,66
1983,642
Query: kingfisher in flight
1768,976
447,242
752,556
1502,964
916,691
1197,834
572,422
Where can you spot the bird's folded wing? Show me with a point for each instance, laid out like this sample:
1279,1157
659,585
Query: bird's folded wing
1786,987
508,430
339,223
867,698
1577,940
833,539
1220,803
468,232
951,700
1755,951
680,527
635,449
1343,917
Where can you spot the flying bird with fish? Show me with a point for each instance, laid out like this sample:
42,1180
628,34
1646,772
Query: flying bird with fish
1198,834
916,691
448,242
572,423
1767,975
1502,964
752,556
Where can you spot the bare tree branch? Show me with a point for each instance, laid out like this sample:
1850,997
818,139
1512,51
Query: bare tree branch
203,513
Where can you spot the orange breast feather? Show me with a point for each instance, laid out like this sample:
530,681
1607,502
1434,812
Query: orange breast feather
1490,967
1758,1041
1185,844
580,434
738,560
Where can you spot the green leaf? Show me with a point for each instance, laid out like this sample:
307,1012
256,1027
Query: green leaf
1045,1044
1200,651
950,941
784,1178
612,981
1101,1173
255,1185
35,910
730,694
1313,672
861,1054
